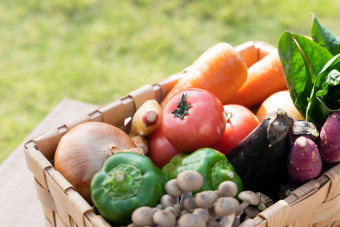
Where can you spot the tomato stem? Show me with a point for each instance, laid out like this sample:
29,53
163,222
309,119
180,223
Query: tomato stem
228,115
182,107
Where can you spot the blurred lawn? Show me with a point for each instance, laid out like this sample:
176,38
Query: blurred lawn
96,51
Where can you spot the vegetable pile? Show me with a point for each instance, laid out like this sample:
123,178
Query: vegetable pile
202,157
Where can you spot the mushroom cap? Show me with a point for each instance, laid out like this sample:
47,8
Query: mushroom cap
189,181
212,212
171,209
142,216
251,212
178,206
227,189
226,206
205,199
217,193
132,225
171,187
213,223
249,197
190,220
167,200
184,212
164,218
203,213
189,203
160,206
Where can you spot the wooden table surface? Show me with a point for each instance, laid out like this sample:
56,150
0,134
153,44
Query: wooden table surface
19,204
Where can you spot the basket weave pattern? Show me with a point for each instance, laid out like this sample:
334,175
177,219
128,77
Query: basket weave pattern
316,203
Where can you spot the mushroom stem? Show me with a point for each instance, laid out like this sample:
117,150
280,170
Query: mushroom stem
228,221
236,222
184,196
244,205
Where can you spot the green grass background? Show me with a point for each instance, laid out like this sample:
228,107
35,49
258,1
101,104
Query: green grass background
96,51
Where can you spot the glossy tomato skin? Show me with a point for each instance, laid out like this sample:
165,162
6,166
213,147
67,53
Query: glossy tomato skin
202,126
161,151
239,125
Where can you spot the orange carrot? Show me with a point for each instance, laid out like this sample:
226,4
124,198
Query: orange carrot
265,77
220,70
252,51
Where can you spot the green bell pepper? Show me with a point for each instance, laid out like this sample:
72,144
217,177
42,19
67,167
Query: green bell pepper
210,163
125,182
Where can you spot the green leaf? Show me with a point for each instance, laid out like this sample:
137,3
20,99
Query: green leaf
330,93
293,67
302,59
325,98
315,55
182,107
325,37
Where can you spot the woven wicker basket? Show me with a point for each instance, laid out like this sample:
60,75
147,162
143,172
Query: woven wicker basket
317,203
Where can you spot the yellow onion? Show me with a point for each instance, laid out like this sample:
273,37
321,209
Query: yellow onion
83,150
278,100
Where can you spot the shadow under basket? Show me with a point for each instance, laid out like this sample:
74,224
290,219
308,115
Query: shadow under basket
316,203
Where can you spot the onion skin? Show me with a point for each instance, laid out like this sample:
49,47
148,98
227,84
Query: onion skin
82,151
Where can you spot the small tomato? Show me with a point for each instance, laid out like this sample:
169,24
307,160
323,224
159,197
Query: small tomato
240,122
161,150
193,119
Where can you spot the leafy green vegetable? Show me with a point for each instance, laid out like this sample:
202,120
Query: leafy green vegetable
300,68
325,37
312,73
325,98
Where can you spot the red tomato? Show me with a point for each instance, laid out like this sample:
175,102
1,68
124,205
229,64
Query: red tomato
161,150
202,124
241,122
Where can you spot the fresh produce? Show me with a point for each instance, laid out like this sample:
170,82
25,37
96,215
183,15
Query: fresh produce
303,128
205,148
265,77
325,37
260,158
329,143
207,208
147,118
240,122
304,161
161,151
219,70
252,51
192,119
278,100
141,142
82,151
312,72
126,181
210,163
